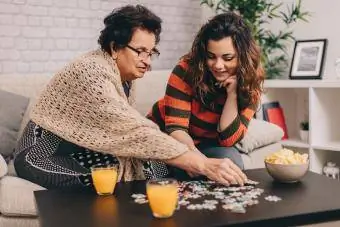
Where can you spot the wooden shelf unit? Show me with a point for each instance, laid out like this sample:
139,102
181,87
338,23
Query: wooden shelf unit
318,102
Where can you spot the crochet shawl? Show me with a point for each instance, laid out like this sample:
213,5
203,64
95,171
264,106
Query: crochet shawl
85,104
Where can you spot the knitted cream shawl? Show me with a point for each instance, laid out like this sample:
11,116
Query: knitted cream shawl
85,104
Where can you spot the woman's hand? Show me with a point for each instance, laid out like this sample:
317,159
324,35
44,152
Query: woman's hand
224,171
230,84
195,150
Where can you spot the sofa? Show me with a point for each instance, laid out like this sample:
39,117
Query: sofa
17,95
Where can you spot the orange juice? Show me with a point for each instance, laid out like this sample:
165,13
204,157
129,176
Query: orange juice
162,198
104,179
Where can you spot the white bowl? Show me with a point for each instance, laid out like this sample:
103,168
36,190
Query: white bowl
287,173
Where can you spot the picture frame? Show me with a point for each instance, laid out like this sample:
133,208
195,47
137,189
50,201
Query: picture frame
308,59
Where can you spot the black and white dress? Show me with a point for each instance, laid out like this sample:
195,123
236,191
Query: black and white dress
52,162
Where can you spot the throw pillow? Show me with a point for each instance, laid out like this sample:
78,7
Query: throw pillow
260,133
12,109
7,141
3,167
26,118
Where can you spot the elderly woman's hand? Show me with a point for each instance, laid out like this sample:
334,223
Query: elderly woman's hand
196,151
224,171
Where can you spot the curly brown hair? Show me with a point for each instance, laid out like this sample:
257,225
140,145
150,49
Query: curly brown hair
250,73
121,23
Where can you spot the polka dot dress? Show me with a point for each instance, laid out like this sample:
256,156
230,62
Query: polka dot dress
46,159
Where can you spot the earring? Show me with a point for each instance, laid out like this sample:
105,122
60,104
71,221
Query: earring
114,54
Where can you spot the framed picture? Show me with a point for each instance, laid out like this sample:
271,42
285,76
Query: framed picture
308,59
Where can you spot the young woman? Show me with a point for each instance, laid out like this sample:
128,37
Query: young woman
214,90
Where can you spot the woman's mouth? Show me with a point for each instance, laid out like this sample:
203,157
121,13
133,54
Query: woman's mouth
142,69
221,75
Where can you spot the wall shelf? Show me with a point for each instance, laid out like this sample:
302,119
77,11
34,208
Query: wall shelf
302,83
294,143
332,146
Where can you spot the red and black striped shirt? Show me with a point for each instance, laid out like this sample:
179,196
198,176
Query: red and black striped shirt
179,109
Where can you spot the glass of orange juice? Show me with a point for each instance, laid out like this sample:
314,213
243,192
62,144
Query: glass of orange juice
104,178
163,196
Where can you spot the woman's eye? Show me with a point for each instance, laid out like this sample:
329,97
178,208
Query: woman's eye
228,58
209,56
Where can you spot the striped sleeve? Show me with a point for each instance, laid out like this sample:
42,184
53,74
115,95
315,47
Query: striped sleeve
177,100
237,129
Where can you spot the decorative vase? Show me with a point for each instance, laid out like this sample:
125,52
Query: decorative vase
337,68
331,170
304,135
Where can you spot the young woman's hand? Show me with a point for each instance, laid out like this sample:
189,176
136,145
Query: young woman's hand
224,171
230,84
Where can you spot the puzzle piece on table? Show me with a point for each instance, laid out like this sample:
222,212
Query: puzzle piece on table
238,209
234,207
251,182
141,201
138,196
272,198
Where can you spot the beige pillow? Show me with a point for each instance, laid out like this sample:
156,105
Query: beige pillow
3,167
260,133
17,198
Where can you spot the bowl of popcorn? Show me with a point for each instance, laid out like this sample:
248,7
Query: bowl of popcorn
286,165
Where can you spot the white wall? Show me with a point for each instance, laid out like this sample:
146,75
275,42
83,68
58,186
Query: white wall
323,23
40,36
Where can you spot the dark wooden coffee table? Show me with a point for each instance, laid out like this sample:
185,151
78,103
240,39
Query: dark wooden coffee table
314,199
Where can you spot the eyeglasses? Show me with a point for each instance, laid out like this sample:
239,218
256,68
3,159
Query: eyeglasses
145,54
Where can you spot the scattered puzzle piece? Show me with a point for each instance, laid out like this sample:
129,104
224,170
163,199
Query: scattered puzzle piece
233,198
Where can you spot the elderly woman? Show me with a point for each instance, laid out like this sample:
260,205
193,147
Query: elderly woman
213,91
85,116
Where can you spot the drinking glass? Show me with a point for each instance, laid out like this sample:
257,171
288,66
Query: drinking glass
104,178
163,196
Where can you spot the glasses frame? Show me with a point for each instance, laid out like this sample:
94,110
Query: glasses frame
144,54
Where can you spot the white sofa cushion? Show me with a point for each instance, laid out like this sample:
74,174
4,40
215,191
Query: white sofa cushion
150,89
6,221
260,133
25,85
16,197
256,158
3,167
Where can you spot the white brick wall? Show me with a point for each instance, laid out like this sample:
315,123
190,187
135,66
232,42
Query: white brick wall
40,36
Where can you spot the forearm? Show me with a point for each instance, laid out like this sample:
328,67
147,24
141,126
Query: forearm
189,161
183,137
229,113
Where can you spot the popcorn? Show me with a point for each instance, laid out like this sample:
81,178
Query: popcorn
286,156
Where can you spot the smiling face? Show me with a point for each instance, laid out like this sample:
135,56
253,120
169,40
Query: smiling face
222,58
130,65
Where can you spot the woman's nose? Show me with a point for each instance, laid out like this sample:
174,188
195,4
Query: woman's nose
147,60
219,64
